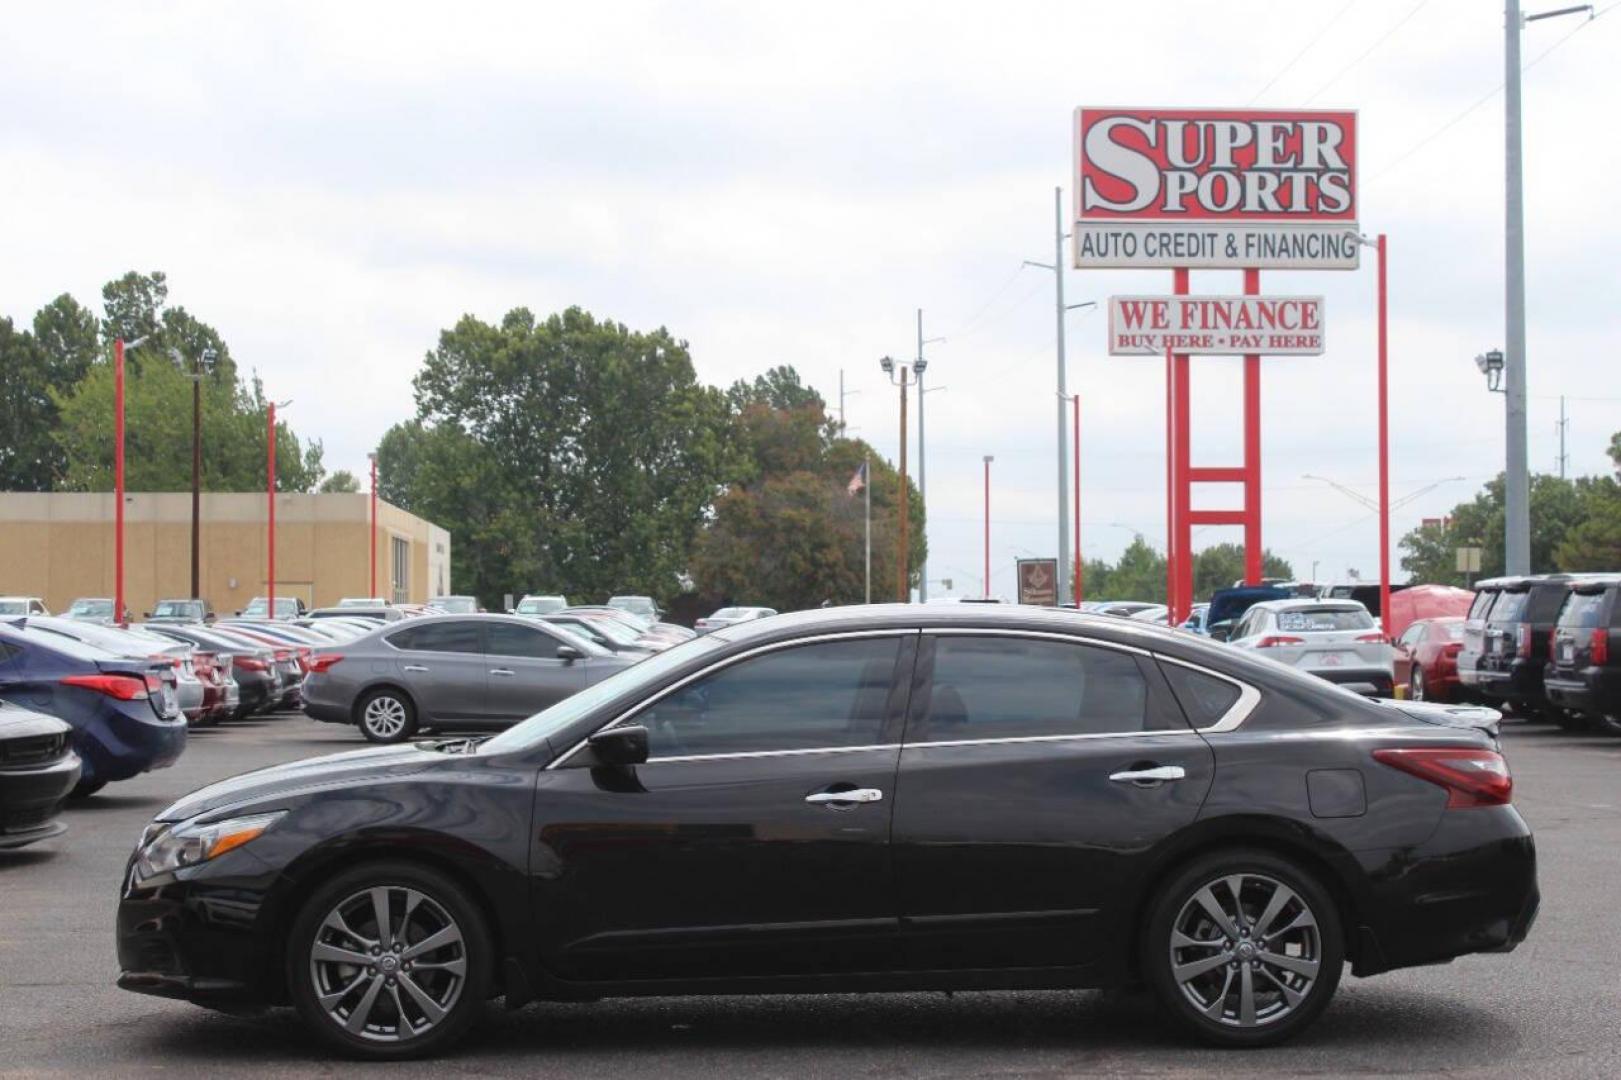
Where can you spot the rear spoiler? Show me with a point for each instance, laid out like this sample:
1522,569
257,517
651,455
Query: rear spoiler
1475,717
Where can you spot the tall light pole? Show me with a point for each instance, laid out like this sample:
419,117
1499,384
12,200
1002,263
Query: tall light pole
919,366
200,368
1080,560
987,578
902,577
120,613
372,561
270,491
1517,482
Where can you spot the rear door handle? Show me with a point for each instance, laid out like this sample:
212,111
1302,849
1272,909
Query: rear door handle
1154,775
414,667
502,671
855,795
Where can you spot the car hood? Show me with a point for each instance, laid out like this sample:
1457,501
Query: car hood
19,723
297,777
1474,717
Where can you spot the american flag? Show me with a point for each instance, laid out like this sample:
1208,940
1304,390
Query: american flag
858,481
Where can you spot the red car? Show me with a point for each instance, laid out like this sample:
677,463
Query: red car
1427,658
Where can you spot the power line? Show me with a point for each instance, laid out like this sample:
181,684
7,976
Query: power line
1303,51
1368,51
983,308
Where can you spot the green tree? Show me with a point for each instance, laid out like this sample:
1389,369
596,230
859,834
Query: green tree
70,334
1595,542
29,459
1218,566
602,450
1139,575
1429,553
341,482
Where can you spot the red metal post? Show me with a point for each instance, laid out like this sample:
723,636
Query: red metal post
270,530
118,480
1252,451
1170,477
373,559
1384,446
1181,596
1080,561
987,578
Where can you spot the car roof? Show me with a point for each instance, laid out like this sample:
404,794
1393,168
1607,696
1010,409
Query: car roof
1308,604
927,616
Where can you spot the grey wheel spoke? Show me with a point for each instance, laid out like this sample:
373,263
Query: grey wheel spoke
1274,907
1295,964
336,921
330,1001
1193,969
430,1008
333,954
1246,996
379,906
450,967
362,1012
1215,1009
432,942
1179,940
1303,921
402,1026
1213,908
1290,994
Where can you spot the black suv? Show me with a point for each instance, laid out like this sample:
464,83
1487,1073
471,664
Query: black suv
1584,665
1513,646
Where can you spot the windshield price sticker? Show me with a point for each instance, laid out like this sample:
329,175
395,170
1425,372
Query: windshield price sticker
1215,189
1221,325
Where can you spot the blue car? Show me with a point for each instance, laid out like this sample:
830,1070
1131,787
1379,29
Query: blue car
122,710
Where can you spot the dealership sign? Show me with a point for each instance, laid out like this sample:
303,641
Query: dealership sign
1215,189
1236,325
1038,581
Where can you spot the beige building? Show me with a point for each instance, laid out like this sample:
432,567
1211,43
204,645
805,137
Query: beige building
59,546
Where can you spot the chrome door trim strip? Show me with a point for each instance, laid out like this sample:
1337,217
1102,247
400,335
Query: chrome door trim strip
1014,739
678,758
725,662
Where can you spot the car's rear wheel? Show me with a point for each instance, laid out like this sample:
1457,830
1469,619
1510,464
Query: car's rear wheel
1416,688
389,960
387,716
1243,948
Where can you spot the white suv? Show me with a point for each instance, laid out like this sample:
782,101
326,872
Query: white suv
1335,640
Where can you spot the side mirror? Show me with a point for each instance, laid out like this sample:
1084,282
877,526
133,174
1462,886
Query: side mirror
620,745
568,654
1221,631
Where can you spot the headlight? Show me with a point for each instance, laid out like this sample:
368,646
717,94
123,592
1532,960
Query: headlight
165,849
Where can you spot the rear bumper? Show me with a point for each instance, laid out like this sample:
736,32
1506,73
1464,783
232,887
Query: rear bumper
1472,887
1589,691
117,747
1520,682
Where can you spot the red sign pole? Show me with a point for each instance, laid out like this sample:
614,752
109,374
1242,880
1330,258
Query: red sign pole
1252,451
270,530
1384,448
987,579
118,480
1170,478
1182,591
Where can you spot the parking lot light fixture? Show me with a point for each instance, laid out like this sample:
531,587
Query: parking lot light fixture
120,347
1491,365
270,490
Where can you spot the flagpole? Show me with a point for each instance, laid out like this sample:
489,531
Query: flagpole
866,490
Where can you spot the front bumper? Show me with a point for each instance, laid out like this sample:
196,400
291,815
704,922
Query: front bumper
1471,887
31,800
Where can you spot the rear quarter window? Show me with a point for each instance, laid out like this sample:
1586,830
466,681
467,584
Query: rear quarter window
1205,699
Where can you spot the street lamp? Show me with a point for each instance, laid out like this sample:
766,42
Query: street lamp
201,368
270,527
372,457
902,578
919,365
1491,366
120,347
987,580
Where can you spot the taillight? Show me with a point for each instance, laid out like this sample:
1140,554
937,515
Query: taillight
122,687
251,663
321,663
1375,638
1454,649
1522,639
1274,640
282,655
1601,645
1471,776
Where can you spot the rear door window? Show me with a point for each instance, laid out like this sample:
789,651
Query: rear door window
1008,687
1510,607
444,637
507,639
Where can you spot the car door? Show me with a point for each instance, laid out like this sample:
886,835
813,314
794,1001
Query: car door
1037,774
524,671
730,852
443,666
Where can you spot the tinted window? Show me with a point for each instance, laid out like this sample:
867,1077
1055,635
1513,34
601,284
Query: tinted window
1324,619
447,637
1483,603
1583,609
1412,635
1204,698
1508,607
826,695
509,640
1545,602
1005,687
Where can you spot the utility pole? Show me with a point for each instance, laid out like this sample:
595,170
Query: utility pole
918,367
1517,489
986,581
903,586
200,368
1564,424
1063,394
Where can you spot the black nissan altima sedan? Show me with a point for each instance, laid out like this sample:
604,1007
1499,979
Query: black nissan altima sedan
854,799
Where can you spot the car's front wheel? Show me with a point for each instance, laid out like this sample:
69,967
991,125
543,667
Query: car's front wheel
387,716
1243,948
1416,689
389,960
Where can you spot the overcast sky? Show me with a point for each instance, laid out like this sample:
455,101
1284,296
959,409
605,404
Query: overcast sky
331,184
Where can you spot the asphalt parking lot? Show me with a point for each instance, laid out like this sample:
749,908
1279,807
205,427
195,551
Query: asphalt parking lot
1551,1009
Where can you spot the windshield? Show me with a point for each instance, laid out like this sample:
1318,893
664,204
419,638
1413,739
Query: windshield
91,607
1324,619
455,605
641,605
177,609
13,607
613,631
1583,609
1451,630
1508,607
357,601
645,674
730,613
540,605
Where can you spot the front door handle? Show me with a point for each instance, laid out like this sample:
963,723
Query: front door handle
414,667
502,671
1154,775
854,795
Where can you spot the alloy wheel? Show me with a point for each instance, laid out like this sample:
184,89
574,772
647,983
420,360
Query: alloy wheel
1417,687
1245,950
388,964
384,717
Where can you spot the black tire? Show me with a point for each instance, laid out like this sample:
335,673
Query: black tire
86,788
1273,1015
386,716
1608,723
1415,685
1574,721
391,1005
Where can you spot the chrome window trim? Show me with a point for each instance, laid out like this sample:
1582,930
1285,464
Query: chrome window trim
1046,635
1088,736
722,664
1237,713
679,758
